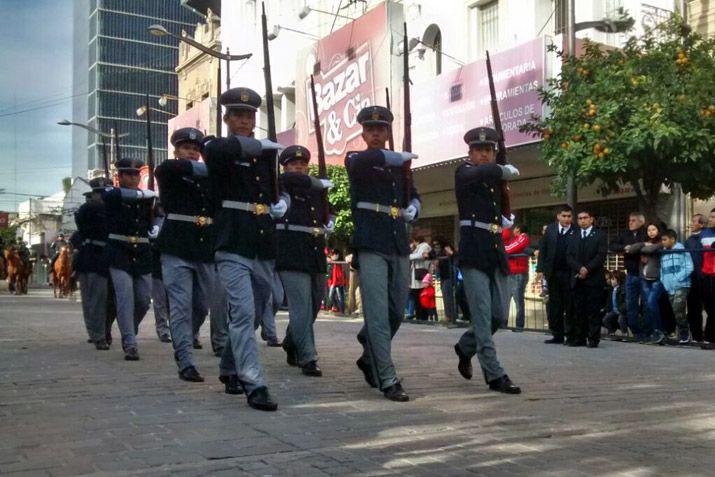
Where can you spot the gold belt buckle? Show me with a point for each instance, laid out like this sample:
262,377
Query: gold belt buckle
260,209
394,212
201,221
316,232
494,228
133,239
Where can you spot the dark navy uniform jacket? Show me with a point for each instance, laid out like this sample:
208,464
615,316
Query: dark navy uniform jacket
479,199
300,251
236,176
183,192
91,225
129,217
371,180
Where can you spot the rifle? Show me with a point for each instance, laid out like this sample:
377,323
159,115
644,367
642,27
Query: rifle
407,137
391,138
149,148
270,112
322,167
105,160
501,151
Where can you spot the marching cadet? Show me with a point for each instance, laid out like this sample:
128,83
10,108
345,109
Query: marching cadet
242,174
482,258
381,212
186,244
128,212
90,262
301,256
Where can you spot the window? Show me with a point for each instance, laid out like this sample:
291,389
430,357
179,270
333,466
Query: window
488,25
561,12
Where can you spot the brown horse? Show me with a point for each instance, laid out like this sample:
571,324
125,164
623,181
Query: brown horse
62,273
18,272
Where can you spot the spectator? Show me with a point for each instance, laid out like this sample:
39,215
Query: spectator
444,266
515,243
615,309
353,305
336,283
707,241
419,267
675,270
635,234
651,287
695,296
428,305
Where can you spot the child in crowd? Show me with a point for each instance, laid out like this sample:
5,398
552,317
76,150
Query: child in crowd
615,309
651,287
335,301
675,270
427,299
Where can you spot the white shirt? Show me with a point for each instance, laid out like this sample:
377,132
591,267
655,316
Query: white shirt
586,232
563,230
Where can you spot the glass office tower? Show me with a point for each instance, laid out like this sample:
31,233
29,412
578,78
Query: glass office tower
123,63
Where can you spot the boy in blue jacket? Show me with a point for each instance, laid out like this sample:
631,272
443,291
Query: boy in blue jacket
675,269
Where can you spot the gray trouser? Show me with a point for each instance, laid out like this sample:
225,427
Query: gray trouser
133,296
219,316
93,288
268,296
384,284
240,355
161,307
487,297
188,285
305,292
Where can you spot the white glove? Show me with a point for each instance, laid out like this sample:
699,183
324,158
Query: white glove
267,144
507,223
408,156
146,194
509,172
327,184
396,159
330,227
279,209
410,213
154,232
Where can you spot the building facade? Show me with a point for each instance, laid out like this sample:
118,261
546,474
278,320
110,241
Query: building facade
117,63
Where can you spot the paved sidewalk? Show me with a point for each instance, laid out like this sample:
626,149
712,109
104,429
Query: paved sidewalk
623,409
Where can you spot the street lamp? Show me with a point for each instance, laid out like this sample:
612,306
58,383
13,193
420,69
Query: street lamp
277,29
307,9
113,141
622,23
159,30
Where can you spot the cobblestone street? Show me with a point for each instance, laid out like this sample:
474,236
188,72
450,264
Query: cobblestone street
623,409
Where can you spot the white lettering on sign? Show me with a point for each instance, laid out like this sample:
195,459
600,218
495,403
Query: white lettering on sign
341,93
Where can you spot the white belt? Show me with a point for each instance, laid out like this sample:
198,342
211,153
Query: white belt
493,228
129,238
314,231
98,243
258,209
198,220
391,210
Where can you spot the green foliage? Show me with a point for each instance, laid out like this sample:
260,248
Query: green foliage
339,198
643,115
8,235
66,184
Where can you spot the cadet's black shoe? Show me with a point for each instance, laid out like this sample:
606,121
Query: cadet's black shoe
592,344
465,364
165,338
231,384
190,374
197,344
312,369
504,385
131,354
575,343
273,343
261,400
290,354
89,340
367,372
101,345
707,346
554,340
396,393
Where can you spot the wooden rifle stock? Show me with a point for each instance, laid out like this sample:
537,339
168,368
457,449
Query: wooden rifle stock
322,166
501,151
270,111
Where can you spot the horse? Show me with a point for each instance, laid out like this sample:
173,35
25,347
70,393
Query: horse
62,274
18,272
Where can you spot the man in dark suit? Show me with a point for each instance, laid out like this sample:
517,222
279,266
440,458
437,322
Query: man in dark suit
586,256
552,265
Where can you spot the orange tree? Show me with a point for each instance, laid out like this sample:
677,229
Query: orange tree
643,115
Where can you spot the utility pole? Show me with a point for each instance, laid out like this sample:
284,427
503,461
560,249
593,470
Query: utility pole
571,191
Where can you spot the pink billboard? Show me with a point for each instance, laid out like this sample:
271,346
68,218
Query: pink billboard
198,117
351,67
446,107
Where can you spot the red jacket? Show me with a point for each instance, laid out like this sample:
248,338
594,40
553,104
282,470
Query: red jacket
427,300
337,275
516,245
